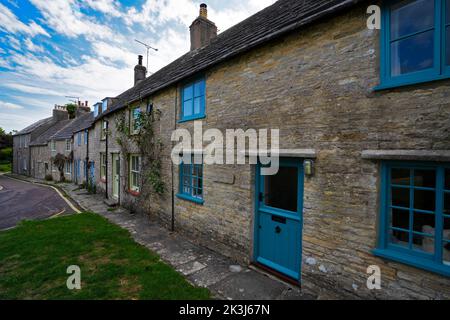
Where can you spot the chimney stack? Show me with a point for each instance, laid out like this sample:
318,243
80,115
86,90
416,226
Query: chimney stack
202,29
139,71
60,113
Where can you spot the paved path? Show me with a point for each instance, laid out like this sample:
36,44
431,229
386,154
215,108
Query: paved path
25,201
199,265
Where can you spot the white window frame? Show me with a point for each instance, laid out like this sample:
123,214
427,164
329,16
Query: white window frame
68,145
103,166
68,167
135,172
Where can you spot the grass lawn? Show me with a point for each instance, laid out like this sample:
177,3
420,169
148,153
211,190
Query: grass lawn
5,167
34,258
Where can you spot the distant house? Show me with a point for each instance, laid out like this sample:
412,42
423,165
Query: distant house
369,183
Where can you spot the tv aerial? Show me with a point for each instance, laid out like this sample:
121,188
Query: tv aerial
148,47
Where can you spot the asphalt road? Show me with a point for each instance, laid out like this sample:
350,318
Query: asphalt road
25,201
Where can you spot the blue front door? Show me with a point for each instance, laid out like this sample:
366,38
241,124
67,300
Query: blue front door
279,218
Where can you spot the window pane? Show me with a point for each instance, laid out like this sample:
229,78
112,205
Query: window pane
400,219
411,16
281,189
197,105
187,93
199,89
399,238
400,176
446,229
446,253
447,5
424,200
424,223
425,178
447,44
412,54
447,179
188,108
447,203
423,243
400,197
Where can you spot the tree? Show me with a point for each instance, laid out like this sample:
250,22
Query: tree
6,139
59,161
71,109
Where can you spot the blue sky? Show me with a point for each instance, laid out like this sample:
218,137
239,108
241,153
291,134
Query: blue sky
50,49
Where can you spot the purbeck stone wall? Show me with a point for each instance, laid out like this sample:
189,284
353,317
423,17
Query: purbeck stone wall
315,85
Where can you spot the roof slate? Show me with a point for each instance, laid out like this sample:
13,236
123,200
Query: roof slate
73,126
34,126
44,138
282,17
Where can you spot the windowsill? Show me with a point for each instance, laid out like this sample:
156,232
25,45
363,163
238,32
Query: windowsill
406,83
134,193
407,155
413,261
190,199
200,117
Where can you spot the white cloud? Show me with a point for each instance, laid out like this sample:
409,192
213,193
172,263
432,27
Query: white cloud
13,43
30,89
10,23
64,17
11,106
17,121
33,47
108,7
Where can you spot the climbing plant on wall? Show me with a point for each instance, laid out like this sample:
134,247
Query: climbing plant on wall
149,146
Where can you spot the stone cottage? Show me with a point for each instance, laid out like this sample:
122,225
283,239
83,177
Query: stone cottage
363,188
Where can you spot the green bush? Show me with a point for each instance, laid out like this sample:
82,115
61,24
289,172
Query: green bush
6,155
48,177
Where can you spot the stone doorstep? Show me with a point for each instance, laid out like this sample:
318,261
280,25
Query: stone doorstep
200,266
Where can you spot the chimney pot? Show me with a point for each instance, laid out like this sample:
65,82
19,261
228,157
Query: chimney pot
204,11
140,57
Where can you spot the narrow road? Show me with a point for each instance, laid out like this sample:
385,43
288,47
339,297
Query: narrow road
25,201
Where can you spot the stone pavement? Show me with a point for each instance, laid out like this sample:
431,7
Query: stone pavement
199,265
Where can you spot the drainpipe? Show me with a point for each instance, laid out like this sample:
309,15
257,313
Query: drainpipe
106,159
172,168
86,166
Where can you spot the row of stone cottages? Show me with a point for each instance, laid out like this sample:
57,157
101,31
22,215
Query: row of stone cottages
368,109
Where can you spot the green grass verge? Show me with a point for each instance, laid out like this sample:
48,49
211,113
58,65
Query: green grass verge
5,167
34,258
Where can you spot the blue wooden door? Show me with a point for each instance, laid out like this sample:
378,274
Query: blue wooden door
279,218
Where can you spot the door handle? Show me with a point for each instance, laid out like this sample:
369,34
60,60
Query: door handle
278,229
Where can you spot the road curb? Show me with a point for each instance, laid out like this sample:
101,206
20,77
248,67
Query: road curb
58,190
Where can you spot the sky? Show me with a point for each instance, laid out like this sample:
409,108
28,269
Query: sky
54,49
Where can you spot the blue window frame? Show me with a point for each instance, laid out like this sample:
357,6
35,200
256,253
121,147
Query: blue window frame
104,105
191,181
96,110
415,215
193,101
415,42
86,134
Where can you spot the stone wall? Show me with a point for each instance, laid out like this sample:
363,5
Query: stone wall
41,162
79,154
97,146
21,154
315,85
